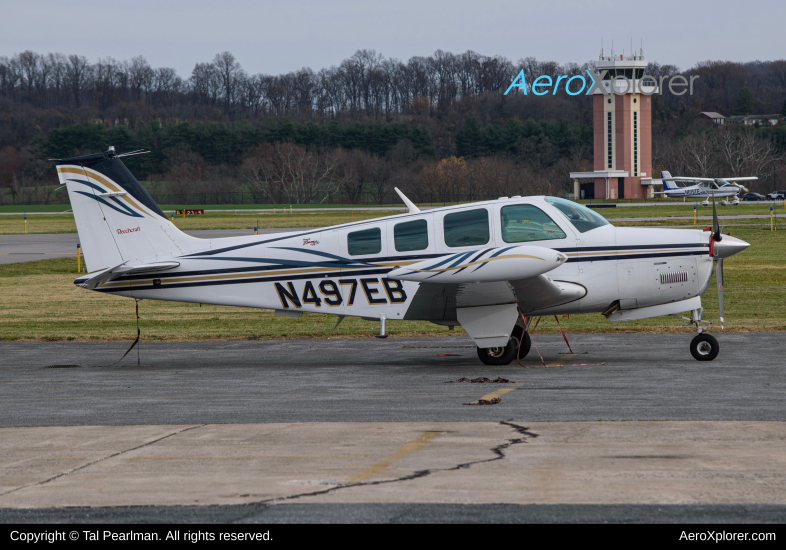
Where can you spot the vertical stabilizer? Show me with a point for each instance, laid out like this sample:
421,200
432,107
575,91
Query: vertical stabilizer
117,220
667,185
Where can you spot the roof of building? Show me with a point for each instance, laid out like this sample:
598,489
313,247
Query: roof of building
738,118
712,114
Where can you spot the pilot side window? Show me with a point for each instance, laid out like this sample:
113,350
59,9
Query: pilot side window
580,216
411,235
524,222
468,228
368,241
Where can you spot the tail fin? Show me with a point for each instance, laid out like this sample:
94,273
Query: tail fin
117,220
667,184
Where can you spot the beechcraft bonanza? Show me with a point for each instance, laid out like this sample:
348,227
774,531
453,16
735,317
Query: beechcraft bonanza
490,267
705,188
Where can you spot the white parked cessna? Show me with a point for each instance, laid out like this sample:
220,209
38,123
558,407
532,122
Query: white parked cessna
489,266
719,188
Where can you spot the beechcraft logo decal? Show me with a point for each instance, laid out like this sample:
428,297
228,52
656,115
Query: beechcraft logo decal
130,230
310,242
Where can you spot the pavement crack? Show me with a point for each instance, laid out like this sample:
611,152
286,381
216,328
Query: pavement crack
499,454
83,466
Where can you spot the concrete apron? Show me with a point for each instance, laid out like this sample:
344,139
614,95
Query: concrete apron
428,462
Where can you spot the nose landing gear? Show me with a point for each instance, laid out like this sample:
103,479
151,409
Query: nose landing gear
703,347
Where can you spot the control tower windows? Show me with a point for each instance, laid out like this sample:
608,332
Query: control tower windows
609,136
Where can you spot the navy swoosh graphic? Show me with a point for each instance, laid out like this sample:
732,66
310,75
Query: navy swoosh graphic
324,255
497,253
287,263
93,185
100,189
102,201
123,205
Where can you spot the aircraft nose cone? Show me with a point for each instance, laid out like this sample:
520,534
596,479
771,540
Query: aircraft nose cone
729,246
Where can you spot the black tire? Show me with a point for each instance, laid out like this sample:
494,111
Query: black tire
704,347
504,356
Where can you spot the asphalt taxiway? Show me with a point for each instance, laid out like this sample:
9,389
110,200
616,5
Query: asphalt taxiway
46,246
627,428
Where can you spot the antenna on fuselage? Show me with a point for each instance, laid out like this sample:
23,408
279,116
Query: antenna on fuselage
409,203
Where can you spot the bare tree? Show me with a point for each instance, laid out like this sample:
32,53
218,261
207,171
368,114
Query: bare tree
747,154
697,152
77,71
229,72
289,171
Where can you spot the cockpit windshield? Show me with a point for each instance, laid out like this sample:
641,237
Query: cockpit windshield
580,216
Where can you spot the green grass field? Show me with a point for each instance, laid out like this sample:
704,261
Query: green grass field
38,301
64,223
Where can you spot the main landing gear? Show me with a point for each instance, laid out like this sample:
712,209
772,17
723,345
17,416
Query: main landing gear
505,355
703,347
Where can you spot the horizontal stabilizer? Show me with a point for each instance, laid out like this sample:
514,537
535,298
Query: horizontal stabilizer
94,280
483,266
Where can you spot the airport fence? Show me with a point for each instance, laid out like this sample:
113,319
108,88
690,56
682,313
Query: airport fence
38,196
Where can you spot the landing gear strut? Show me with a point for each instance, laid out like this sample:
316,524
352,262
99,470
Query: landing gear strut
703,347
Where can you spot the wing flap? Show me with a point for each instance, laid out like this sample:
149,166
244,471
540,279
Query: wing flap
539,293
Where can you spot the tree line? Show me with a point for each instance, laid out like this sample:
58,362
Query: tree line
443,112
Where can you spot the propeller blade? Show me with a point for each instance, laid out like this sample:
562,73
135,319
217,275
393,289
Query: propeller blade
715,227
719,281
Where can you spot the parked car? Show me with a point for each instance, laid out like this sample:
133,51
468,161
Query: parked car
776,195
753,197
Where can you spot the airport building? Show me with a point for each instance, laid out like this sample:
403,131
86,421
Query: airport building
622,128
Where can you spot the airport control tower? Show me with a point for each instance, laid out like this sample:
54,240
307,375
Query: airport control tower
622,131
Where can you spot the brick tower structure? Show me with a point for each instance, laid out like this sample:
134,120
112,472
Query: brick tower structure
622,123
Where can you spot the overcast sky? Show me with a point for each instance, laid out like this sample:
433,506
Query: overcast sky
285,35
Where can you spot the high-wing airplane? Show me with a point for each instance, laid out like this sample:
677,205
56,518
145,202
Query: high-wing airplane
705,188
490,267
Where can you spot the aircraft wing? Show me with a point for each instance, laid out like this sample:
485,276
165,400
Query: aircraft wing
449,286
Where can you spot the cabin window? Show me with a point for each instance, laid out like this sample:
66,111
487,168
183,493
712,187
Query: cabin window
411,235
468,228
368,241
524,222
580,216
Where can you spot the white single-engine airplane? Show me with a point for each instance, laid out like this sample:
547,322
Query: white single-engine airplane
719,188
490,266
